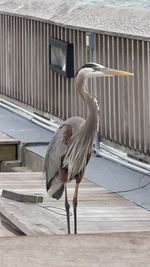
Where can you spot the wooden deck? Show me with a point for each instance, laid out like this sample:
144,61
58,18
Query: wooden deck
99,210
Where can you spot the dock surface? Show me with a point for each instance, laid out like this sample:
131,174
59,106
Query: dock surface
99,210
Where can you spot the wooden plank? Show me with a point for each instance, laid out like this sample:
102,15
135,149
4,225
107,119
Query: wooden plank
8,152
30,219
22,197
5,230
8,147
10,226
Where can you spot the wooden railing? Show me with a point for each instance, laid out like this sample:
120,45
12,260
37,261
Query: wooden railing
124,102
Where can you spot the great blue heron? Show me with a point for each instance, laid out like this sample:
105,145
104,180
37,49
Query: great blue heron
70,149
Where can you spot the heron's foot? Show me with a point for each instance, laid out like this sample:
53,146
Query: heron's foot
67,206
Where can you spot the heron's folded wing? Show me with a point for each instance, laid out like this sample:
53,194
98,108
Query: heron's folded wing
56,150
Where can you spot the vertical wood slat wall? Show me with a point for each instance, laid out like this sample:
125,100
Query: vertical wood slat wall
124,102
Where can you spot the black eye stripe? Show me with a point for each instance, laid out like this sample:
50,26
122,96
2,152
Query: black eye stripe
89,65
93,66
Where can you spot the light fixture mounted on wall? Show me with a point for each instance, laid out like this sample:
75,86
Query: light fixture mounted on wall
90,40
61,57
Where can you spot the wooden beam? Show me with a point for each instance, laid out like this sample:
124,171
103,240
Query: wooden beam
6,139
22,197
8,152
10,226
8,147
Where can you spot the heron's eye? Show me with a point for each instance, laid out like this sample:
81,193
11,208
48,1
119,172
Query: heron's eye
94,69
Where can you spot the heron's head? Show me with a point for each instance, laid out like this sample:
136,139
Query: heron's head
91,70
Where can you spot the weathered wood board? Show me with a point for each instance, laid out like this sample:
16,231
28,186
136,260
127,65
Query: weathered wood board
30,198
99,210
8,147
8,152
31,219
7,229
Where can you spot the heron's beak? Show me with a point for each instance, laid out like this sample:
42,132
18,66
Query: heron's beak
114,72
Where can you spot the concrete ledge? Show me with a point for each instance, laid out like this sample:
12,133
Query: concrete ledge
112,250
32,160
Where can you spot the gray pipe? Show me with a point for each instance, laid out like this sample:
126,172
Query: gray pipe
123,163
125,157
45,121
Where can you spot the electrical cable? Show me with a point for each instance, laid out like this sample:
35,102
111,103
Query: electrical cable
136,188
50,208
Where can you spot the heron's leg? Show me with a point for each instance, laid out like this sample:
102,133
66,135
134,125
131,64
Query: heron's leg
67,207
75,200
75,203
64,177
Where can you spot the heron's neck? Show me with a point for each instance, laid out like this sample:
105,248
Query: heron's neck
81,141
92,118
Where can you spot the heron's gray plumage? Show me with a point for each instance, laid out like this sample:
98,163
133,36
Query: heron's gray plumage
70,149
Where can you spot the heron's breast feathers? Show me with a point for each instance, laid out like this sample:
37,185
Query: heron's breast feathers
77,155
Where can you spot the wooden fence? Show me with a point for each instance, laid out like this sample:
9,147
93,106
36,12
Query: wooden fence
26,77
